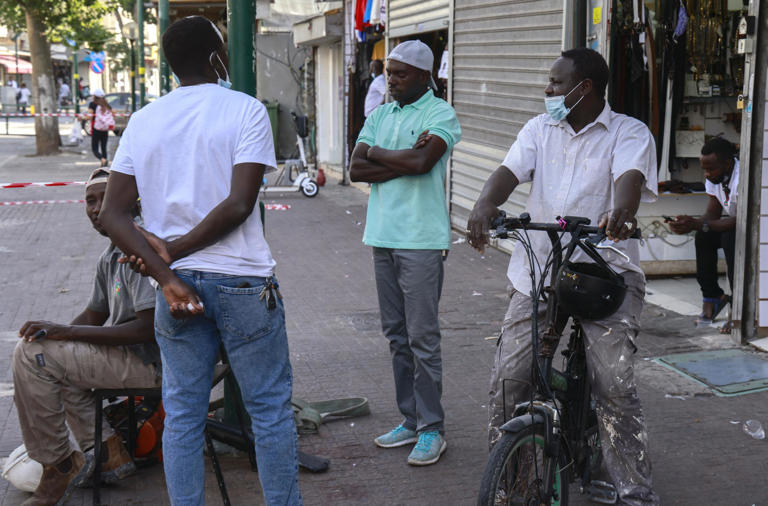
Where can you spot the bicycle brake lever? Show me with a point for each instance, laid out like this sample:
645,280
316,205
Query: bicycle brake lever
497,221
595,239
499,233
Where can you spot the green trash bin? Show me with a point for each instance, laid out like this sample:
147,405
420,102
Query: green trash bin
272,109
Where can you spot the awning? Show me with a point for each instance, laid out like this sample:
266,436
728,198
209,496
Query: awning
10,63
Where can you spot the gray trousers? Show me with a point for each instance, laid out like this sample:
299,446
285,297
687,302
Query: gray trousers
409,283
610,358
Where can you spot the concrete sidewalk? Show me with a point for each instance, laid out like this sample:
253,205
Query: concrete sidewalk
47,254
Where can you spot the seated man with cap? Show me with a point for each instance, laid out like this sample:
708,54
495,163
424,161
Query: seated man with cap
402,150
111,344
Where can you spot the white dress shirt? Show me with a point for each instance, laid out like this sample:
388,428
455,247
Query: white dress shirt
375,96
575,174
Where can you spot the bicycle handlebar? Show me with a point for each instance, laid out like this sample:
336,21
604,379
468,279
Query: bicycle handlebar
578,226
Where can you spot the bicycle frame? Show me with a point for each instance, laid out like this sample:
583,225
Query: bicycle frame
570,428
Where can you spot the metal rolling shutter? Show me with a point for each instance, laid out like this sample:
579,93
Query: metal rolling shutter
407,17
503,51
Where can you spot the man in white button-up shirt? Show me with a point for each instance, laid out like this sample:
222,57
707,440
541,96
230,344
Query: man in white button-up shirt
582,159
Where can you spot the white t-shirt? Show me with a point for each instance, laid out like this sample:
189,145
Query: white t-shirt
729,201
25,93
574,174
375,96
181,149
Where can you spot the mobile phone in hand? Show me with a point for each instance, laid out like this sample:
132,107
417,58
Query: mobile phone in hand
668,218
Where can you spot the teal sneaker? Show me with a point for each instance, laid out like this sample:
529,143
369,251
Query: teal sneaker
399,436
428,450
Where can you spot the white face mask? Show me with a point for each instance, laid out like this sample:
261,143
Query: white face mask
556,105
226,83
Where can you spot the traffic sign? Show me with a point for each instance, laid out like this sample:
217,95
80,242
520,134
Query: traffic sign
97,67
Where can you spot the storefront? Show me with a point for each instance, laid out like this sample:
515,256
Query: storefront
683,69
427,21
372,28
322,35
502,54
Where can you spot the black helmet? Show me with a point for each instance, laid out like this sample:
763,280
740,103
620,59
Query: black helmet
589,291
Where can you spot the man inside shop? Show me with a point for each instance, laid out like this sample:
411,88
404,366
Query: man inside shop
377,89
716,229
111,344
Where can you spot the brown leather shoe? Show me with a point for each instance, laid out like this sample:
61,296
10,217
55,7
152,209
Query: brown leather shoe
58,480
116,464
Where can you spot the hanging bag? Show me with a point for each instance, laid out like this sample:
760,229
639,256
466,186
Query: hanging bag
104,119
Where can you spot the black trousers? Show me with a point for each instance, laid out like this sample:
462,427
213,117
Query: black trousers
99,143
707,244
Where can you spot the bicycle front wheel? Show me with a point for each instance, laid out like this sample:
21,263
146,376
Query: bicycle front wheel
516,469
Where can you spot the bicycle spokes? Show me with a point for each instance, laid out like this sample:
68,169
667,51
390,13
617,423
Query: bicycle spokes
522,479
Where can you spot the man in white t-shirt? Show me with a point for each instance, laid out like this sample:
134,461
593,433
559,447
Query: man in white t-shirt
64,93
196,157
23,94
714,230
377,89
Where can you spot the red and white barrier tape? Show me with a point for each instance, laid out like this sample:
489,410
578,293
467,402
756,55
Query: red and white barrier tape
28,202
53,114
48,183
271,207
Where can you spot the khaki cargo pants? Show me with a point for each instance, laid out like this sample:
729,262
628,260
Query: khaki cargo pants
52,390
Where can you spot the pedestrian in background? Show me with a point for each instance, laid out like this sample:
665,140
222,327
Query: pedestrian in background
64,92
103,120
403,150
377,88
22,98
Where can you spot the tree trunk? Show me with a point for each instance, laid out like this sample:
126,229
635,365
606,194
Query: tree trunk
43,88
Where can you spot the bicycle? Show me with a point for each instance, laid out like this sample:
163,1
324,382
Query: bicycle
553,439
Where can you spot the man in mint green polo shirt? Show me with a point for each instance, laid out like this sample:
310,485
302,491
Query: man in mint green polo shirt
403,150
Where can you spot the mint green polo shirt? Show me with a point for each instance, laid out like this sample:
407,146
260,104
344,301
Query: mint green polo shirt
409,212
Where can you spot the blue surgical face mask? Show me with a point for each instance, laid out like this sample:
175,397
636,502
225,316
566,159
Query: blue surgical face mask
226,83
556,105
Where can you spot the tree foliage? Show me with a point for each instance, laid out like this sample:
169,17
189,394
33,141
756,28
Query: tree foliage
120,55
79,20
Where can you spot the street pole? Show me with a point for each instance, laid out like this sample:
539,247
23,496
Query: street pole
16,48
240,48
240,16
140,22
133,77
165,83
75,81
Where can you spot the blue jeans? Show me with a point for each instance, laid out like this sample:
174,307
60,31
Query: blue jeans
257,346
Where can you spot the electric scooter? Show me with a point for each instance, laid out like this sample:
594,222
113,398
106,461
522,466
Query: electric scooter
286,181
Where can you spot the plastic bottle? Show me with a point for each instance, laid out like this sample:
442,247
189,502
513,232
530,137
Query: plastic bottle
754,429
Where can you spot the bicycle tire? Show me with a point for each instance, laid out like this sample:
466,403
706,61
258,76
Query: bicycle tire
492,491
